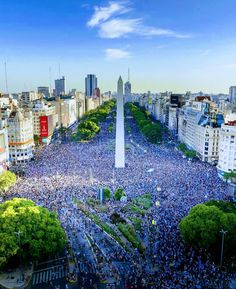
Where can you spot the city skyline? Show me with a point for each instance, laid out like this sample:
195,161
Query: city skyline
167,45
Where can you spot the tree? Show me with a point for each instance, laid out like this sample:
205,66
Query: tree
7,179
202,226
119,194
230,176
107,193
89,125
41,233
190,154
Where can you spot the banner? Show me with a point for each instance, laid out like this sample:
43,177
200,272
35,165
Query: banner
43,126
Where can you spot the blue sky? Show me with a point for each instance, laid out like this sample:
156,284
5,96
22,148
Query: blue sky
176,45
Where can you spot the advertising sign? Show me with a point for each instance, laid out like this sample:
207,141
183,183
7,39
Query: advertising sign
43,126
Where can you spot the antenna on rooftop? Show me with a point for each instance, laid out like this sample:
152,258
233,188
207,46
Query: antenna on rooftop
128,75
50,80
5,64
59,70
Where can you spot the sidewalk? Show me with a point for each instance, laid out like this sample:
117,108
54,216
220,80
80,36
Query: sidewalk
13,279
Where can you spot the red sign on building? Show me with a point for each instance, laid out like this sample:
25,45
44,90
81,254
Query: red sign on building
43,126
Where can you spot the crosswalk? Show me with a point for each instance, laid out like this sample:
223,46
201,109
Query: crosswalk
122,267
53,273
58,272
85,268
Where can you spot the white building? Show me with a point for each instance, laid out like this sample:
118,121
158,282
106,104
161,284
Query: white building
45,120
66,110
227,147
4,152
27,97
199,129
20,136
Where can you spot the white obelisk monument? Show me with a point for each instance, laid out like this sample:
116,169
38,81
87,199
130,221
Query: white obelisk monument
120,131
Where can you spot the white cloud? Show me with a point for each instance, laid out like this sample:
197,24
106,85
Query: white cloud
118,27
102,14
111,25
114,54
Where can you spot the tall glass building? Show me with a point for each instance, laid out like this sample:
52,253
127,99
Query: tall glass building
90,85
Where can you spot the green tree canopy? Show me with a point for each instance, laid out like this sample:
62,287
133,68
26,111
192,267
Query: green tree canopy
41,234
7,179
202,226
119,194
107,193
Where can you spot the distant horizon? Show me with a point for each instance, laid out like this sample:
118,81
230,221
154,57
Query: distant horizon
167,45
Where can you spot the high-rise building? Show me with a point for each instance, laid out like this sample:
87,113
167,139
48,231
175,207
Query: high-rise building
20,136
65,109
45,120
44,90
199,128
60,86
4,152
227,147
232,94
27,97
90,85
127,88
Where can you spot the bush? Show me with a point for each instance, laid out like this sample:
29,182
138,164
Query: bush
119,194
144,201
188,153
107,193
137,223
128,231
116,218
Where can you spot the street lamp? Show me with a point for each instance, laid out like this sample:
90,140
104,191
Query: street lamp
19,242
222,246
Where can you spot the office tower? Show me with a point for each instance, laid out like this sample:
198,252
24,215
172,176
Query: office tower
60,86
90,85
44,90
227,147
232,94
127,88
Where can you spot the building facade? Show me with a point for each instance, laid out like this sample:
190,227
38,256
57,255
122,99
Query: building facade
4,148
232,94
60,86
45,120
20,136
44,90
90,85
227,148
199,129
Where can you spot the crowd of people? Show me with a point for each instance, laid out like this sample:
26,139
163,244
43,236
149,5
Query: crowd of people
63,173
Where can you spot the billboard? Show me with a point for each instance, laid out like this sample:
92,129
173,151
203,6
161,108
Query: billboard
43,126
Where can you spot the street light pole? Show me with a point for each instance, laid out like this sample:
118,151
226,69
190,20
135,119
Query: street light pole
222,245
18,235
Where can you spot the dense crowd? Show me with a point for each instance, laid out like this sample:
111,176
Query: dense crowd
66,172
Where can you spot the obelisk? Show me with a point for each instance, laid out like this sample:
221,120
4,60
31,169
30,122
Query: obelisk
120,131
